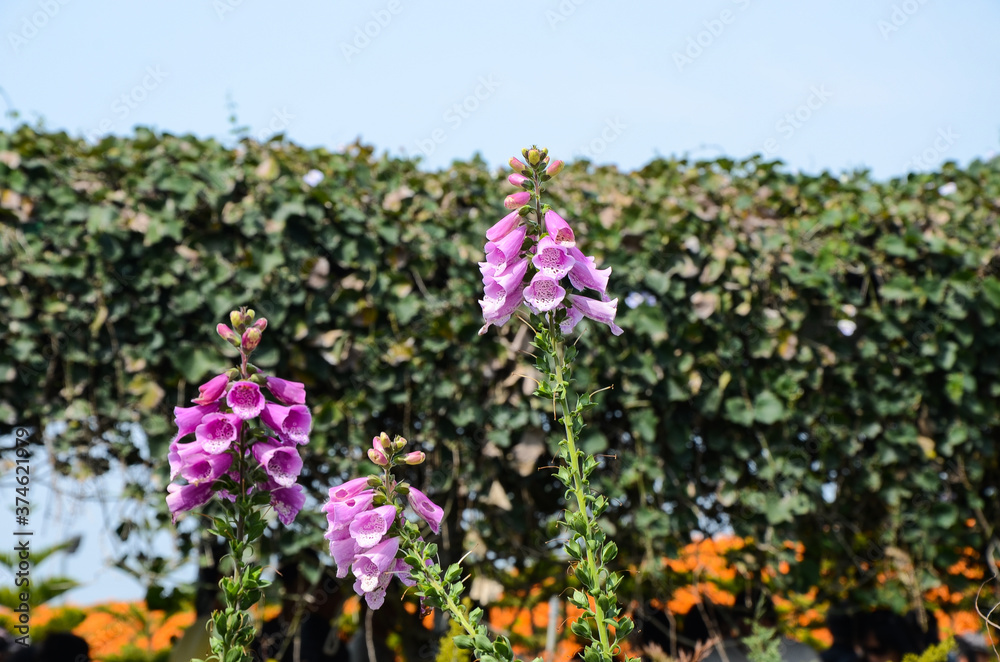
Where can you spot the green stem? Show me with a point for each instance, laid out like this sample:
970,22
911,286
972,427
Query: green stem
578,485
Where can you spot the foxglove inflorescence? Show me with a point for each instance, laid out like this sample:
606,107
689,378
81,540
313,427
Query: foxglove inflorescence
364,519
221,421
529,261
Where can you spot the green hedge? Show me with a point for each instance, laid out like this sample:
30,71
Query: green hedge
737,401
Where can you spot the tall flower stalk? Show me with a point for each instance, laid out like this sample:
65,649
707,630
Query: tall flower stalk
530,255
369,536
245,451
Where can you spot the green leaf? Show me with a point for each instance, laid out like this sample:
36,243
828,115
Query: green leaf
768,408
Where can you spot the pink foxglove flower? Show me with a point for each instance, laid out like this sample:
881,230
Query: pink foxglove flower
370,564
187,419
217,432
340,514
201,467
288,393
187,497
246,400
287,502
515,200
599,311
427,509
517,180
282,463
503,227
552,259
559,230
212,390
544,293
369,527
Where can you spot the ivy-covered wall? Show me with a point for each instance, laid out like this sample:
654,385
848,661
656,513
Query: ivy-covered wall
806,358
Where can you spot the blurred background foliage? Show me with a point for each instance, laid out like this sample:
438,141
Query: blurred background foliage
809,363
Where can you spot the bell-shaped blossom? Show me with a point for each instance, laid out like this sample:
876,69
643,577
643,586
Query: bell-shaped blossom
246,400
282,463
507,249
515,200
498,305
187,497
512,277
503,227
368,566
544,293
287,502
292,424
288,393
348,489
212,390
552,259
187,419
559,230
340,514
585,275
200,467
599,311
344,549
217,432
427,509
369,527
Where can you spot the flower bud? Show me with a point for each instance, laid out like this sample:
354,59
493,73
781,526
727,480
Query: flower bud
414,457
554,168
403,488
228,335
377,457
236,319
398,443
248,317
251,338
534,156
260,324
252,369
382,443
233,373
517,180
374,481
515,200
517,166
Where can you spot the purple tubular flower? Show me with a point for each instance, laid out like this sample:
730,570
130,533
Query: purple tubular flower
559,230
427,509
297,424
246,400
573,317
217,432
584,274
368,566
369,527
498,305
552,259
340,514
282,463
187,497
343,549
289,393
348,489
187,419
503,227
544,293
506,249
515,200
600,311
212,390
512,277
274,416
287,502
201,467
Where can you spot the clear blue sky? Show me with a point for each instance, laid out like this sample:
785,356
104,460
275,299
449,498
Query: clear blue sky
820,85
886,78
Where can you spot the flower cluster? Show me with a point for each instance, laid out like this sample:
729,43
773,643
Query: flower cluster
527,261
225,439
364,521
